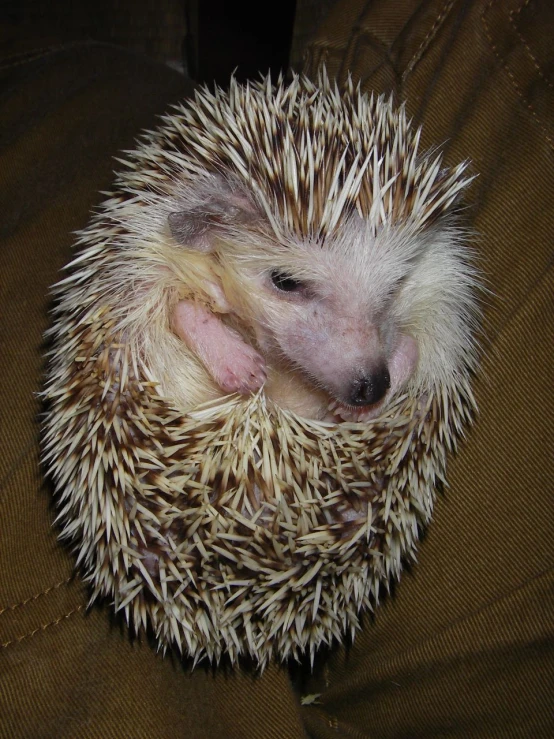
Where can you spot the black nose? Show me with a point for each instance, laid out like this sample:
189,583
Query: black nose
370,388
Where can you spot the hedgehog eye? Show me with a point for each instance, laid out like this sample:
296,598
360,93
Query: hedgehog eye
285,282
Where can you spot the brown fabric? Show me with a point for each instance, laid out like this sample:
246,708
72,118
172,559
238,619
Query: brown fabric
66,671
309,15
464,647
155,29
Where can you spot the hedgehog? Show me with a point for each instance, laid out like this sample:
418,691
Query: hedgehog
261,358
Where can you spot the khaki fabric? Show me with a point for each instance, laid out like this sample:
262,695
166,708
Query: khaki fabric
464,645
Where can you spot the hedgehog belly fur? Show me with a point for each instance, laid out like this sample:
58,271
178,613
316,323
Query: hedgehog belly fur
261,357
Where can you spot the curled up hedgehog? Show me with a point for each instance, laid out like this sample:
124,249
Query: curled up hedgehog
261,357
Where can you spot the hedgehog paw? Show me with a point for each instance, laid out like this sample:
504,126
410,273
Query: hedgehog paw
243,371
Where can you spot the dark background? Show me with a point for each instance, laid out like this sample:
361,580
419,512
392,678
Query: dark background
208,39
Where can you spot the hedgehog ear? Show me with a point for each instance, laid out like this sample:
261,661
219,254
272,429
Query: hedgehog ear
221,209
190,228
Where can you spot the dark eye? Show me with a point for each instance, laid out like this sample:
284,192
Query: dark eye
285,282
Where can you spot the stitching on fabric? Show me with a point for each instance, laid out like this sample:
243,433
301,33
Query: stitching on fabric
38,630
526,45
439,20
14,606
511,76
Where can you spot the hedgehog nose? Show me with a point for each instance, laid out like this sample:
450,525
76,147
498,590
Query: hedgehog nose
369,389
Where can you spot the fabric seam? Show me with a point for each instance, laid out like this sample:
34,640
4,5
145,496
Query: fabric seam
510,74
418,54
32,598
41,628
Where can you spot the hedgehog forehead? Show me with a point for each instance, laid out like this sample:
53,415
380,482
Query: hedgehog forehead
352,265
369,265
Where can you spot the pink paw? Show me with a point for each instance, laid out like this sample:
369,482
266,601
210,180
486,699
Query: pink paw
233,364
242,370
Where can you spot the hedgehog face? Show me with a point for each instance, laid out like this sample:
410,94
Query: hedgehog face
334,339
359,317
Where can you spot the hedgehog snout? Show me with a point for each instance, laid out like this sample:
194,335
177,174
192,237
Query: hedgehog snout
362,396
369,388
